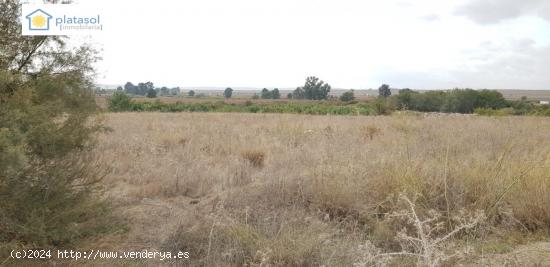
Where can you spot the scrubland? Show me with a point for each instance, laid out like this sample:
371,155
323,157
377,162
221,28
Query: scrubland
300,190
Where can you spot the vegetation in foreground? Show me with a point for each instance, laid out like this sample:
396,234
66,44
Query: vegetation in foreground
288,190
49,186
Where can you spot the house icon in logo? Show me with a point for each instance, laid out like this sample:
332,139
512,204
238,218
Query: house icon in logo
39,20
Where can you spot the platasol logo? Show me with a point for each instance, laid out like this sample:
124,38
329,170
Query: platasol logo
60,19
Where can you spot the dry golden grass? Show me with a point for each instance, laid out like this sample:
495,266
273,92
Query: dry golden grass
298,190
256,158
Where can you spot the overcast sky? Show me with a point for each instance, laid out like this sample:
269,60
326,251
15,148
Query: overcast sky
424,44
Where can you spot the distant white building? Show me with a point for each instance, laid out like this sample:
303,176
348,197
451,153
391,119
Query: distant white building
544,102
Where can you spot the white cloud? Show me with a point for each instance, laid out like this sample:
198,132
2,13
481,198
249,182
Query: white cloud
493,11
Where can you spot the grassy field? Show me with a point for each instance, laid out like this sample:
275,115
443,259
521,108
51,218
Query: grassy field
298,190
530,94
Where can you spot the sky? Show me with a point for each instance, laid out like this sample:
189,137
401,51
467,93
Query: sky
359,44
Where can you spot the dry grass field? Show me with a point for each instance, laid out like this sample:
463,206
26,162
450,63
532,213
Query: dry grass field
295,190
530,94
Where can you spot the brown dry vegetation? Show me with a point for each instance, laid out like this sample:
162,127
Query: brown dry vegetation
264,189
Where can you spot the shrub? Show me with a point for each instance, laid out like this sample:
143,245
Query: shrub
151,93
119,102
266,94
48,184
253,109
456,101
382,106
404,100
490,99
460,101
494,112
275,94
255,157
347,96
222,240
428,102
371,131
542,111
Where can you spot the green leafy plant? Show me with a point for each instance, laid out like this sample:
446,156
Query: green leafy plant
119,102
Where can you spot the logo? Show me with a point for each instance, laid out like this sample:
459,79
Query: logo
39,20
61,19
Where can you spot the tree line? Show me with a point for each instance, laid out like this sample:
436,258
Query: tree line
452,101
449,101
149,90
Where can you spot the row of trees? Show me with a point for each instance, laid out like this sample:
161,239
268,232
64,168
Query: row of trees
267,94
457,100
148,89
313,89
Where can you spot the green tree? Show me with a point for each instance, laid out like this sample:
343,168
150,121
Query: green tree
164,91
130,88
460,101
120,101
298,93
347,96
431,101
48,183
175,91
275,93
522,106
384,91
228,92
405,99
151,93
491,99
141,89
144,88
313,89
266,94
191,93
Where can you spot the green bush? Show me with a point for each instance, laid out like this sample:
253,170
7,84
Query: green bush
382,106
347,96
49,188
151,93
453,101
494,112
119,102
